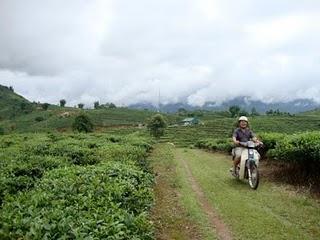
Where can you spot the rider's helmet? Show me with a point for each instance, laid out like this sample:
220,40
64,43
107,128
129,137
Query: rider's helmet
243,118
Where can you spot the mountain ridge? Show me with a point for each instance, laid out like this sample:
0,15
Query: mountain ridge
11,102
293,106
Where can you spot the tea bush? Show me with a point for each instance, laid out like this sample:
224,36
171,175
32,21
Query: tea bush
224,145
105,202
302,149
82,123
74,186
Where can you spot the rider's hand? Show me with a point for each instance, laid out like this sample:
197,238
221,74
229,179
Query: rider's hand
237,142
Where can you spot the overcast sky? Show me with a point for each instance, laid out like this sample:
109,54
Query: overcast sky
124,51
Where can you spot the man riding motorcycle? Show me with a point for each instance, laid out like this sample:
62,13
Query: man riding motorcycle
241,134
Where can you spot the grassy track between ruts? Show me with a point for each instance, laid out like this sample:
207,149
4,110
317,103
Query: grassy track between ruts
176,214
271,212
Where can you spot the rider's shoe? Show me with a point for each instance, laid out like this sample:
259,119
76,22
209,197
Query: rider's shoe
232,172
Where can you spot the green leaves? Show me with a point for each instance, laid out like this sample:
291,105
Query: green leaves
156,125
82,123
224,145
302,149
79,186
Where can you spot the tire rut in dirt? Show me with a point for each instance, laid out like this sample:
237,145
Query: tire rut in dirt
221,228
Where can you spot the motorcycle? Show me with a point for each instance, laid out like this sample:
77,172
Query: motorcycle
249,163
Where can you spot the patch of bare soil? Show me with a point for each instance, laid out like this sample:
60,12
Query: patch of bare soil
221,228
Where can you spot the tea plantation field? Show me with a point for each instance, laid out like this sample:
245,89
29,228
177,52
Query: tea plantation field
75,186
217,127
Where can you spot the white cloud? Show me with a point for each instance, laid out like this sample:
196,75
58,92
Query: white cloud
126,51
278,31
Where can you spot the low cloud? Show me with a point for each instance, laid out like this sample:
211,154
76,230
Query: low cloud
127,51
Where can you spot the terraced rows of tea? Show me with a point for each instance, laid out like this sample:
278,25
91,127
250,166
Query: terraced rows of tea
185,136
61,119
223,127
75,186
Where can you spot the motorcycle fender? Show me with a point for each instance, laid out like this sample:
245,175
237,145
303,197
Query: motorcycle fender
244,157
256,157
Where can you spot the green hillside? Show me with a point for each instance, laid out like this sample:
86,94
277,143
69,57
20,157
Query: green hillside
18,115
221,127
61,119
12,104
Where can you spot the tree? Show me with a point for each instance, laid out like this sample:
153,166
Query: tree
182,111
82,123
234,110
112,105
96,105
23,106
156,125
11,89
269,112
254,112
243,112
39,119
45,106
63,102
80,105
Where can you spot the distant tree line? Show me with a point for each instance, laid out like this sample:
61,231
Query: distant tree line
97,105
195,113
277,112
236,111
10,88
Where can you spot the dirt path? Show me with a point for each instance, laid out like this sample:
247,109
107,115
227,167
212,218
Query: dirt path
221,228
170,219
196,198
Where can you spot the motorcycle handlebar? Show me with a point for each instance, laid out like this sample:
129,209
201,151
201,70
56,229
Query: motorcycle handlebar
245,144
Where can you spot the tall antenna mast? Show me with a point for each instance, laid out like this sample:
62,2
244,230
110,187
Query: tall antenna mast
159,101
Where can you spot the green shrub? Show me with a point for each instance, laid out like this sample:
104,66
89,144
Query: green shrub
22,171
45,106
50,190
82,123
223,145
1,130
270,139
302,149
80,156
103,202
39,119
156,125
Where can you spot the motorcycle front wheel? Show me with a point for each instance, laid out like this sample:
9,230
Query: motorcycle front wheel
254,179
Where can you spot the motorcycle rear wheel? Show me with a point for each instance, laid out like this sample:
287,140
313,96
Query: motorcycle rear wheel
254,180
